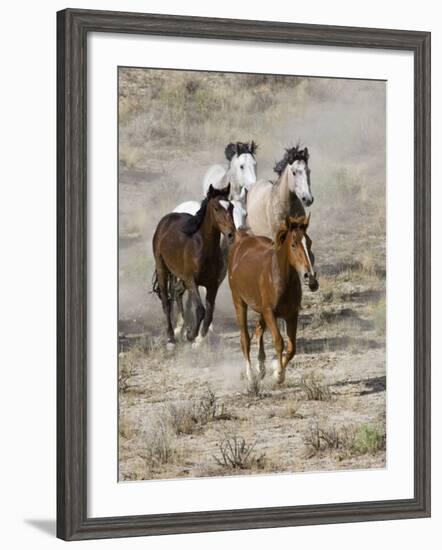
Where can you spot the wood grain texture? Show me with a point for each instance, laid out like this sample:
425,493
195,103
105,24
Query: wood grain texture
72,29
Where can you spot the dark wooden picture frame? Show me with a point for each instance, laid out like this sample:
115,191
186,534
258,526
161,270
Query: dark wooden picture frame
73,27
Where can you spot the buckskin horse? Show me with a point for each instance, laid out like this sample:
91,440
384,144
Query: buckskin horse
268,203
267,276
187,247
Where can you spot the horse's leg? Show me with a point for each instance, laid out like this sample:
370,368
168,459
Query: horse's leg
278,342
292,326
188,312
241,315
224,255
210,307
259,333
199,308
180,314
163,276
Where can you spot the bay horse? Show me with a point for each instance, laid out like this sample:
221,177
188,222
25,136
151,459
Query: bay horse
267,276
240,221
240,171
269,203
187,248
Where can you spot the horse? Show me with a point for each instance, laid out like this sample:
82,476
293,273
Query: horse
266,276
240,171
268,203
239,219
187,248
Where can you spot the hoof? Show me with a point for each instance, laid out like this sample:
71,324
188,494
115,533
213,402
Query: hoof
197,342
279,376
253,380
278,373
253,385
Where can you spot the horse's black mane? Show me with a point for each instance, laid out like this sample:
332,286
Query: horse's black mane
240,148
194,222
291,154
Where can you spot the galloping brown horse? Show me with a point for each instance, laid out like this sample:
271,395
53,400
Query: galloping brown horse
266,276
187,248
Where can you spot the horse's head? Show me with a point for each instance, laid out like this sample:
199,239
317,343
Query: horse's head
221,210
293,233
242,169
295,162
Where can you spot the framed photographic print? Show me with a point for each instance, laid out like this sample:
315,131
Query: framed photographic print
243,274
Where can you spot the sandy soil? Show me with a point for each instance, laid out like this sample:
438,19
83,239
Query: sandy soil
341,344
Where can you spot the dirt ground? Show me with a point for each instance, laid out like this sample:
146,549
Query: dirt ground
188,413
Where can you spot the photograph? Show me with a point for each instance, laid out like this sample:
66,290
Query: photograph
217,264
251,274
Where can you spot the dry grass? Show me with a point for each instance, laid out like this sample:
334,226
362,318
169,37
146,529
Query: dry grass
127,366
198,106
211,408
182,417
348,440
314,389
234,453
185,417
126,427
379,315
158,443
327,289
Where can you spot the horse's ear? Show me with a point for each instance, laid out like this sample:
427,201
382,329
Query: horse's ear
226,191
306,154
280,166
253,147
210,192
230,151
280,237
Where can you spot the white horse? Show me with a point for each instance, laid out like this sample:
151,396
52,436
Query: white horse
240,171
269,203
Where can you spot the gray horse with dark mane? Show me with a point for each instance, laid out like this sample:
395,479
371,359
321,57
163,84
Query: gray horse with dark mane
269,203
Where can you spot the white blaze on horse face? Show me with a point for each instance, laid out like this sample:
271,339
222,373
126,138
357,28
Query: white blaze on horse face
298,182
310,267
225,204
243,173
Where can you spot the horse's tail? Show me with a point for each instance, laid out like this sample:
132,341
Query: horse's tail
175,287
155,285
